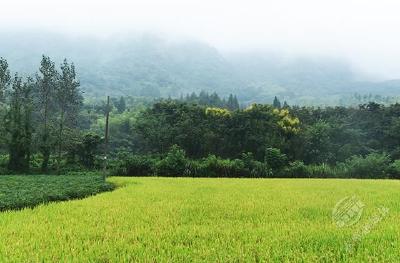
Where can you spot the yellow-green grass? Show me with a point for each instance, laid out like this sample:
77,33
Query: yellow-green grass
210,220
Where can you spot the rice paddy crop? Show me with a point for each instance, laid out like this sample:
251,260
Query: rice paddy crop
209,220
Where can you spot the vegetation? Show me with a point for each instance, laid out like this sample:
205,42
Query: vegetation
39,115
315,142
175,163
162,219
18,192
49,129
214,100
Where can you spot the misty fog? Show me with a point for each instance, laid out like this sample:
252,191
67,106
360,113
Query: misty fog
364,32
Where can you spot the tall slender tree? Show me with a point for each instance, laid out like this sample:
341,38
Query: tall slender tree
5,78
19,125
68,104
46,84
27,111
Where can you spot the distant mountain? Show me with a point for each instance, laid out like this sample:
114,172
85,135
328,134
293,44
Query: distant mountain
152,66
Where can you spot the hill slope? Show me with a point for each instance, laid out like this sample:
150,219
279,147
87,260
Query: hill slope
152,66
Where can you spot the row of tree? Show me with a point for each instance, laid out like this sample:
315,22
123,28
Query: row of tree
40,113
213,100
311,135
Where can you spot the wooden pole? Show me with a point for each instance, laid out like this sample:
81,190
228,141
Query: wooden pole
106,138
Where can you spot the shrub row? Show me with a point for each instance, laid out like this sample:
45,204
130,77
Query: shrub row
175,163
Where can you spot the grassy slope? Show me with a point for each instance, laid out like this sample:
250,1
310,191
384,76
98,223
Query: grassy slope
174,219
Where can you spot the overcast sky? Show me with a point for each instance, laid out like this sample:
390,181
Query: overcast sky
365,31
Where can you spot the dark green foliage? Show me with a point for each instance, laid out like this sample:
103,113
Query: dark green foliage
174,164
393,171
255,168
202,131
317,143
87,149
275,159
40,115
68,103
212,100
199,135
46,87
19,191
5,78
296,169
19,125
135,165
325,171
372,166
213,166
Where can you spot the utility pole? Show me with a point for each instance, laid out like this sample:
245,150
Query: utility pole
106,138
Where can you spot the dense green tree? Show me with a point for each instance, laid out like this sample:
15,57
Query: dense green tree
68,104
85,149
5,78
213,100
275,159
201,131
47,81
5,81
19,124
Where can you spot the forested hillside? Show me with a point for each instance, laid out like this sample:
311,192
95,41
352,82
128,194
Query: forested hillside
48,127
151,66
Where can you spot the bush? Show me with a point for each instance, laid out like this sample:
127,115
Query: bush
393,170
174,164
213,166
135,165
372,166
218,167
4,160
296,169
195,168
255,168
275,159
323,171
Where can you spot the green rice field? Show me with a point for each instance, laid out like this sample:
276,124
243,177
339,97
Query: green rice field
209,220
